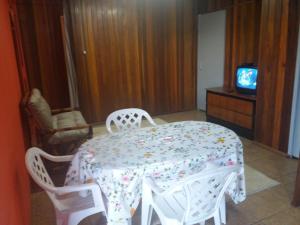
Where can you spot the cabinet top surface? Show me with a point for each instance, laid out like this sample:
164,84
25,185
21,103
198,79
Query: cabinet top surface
232,93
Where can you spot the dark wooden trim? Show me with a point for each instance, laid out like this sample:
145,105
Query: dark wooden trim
208,6
55,111
296,198
233,94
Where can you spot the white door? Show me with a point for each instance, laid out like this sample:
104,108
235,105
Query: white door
294,139
211,53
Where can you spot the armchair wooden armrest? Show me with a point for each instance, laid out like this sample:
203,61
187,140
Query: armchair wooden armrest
88,126
56,111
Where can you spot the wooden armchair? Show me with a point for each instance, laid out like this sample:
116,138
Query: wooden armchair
55,128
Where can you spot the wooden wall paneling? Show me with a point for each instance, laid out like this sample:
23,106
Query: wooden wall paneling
27,27
207,6
51,52
138,54
76,31
110,72
189,56
292,45
242,38
43,48
169,43
276,21
268,59
156,46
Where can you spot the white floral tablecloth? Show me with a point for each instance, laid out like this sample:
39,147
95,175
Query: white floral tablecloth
118,162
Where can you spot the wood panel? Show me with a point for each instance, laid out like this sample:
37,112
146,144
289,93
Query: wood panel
138,54
207,6
274,55
242,38
292,44
109,74
43,48
169,55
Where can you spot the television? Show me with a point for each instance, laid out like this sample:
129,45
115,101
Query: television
246,79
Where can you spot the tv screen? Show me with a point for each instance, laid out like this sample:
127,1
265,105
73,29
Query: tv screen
246,78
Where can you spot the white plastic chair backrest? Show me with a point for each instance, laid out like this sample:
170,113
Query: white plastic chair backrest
204,194
38,172
125,119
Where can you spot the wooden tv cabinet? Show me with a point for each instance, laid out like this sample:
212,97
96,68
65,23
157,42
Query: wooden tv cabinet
231,109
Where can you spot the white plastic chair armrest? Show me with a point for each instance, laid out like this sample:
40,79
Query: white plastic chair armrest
151,121
65,158
76,188
53,158
94,188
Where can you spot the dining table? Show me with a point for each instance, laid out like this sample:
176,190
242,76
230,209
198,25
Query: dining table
169,152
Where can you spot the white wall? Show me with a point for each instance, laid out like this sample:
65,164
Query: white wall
211,53
294,140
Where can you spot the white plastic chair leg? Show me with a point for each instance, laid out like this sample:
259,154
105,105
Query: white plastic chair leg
150,215
146,213
129,221
217,218
223,210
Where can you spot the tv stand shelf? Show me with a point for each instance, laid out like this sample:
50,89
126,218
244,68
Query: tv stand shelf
231,109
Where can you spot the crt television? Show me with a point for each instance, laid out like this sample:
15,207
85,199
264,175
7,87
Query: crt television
246,79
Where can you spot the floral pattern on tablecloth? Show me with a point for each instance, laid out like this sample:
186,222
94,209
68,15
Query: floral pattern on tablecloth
169,152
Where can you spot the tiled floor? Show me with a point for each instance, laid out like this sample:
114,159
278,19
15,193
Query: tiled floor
269,207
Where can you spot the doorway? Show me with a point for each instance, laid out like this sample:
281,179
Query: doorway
211,53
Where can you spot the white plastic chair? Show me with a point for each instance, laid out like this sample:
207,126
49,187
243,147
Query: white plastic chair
71,205
125,119
194,200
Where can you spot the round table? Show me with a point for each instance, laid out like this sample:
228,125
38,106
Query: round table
169,152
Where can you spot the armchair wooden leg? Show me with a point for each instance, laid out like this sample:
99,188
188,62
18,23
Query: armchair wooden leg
90,135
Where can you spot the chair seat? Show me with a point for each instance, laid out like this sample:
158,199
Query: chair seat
65,120
74,202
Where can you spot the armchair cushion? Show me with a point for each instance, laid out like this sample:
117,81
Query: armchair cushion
40,109
65,120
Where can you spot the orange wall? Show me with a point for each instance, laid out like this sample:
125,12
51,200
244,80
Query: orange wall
14,184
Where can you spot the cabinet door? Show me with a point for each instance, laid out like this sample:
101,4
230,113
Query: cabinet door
169,47
106,47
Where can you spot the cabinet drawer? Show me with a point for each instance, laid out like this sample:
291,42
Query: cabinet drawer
232,104
239,119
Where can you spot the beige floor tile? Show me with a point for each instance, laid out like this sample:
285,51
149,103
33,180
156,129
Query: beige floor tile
256,208
289,216
181,116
